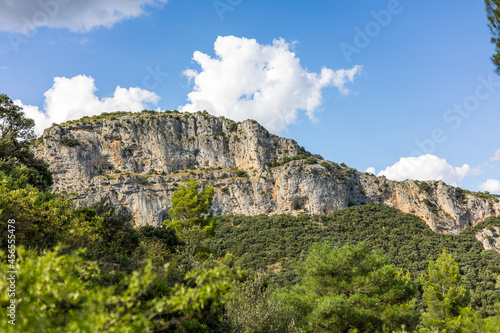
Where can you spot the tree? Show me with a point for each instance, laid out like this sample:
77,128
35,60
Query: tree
253,308
191,208
493,13
444,294
44,219
349,288
18,164
62,293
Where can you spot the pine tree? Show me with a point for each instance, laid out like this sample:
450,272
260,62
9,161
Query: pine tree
444,294
191,208
493,12
349,288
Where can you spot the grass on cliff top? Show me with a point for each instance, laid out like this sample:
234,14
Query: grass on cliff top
144,113
258,242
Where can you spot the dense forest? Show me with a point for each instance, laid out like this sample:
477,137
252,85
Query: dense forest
362,269
277,242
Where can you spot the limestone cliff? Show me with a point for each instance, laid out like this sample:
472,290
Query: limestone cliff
139,159
490,238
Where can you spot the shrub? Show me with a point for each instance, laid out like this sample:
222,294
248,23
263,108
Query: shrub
241,173
69,142
233,127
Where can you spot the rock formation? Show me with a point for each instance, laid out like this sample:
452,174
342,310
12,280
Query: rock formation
139,159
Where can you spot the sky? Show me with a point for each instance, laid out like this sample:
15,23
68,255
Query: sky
399,88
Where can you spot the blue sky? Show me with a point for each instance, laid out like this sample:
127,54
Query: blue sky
422,104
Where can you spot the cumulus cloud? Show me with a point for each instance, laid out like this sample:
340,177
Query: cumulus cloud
428,167
370,170
80,16
496,157
75,97
246,80
491,185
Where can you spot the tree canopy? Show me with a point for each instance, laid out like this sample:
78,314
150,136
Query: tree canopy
18,165
349,288
191,208
444,294
493,13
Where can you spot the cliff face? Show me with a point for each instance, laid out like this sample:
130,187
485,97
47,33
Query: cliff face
138,160
490,238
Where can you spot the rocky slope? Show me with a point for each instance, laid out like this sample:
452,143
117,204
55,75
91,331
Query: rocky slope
490,238
139,159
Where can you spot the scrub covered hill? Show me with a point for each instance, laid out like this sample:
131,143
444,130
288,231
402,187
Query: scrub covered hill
273,242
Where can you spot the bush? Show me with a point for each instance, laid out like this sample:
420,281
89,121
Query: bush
69,142
241,173
233,127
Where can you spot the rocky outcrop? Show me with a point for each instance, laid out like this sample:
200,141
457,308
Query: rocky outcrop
490,238
139,159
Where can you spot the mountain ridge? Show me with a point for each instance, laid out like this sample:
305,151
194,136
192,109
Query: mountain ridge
139,159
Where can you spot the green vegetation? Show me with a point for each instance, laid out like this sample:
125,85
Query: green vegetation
241,173
258,242
62,293
424,186
493,13
287,160
361,269
18,165
480,195
191,208
233,127
444,295
69,142
349,288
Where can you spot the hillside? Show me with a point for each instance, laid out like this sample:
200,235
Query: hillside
273,243
139,159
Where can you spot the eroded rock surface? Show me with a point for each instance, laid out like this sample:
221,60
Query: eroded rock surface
138,160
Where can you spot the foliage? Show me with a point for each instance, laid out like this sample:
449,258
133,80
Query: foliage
261,241
287,160
444,294
480,195
424,186
17,161
241,173
69,142
233,127
57,293
117,238
253,308
348,288
44,219
191,208
493,13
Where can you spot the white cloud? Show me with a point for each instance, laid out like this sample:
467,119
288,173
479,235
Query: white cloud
491,185
370,170
428,167
83,15
496,157
74,98
267,83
